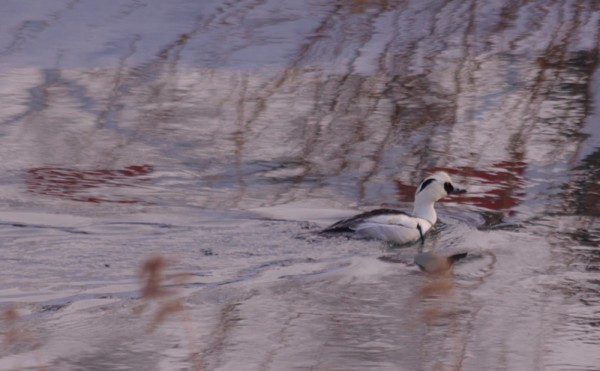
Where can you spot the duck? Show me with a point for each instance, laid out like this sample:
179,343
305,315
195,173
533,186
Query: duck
396,226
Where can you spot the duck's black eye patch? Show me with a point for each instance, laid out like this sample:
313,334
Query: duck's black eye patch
448,187
425,183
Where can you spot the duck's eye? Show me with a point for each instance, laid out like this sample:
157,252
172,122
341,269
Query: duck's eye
448,187
425,183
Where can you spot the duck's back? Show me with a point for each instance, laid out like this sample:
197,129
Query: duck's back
350,224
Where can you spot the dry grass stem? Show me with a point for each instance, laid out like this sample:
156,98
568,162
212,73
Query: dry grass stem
164,310
166,302
12,334
17,335
152,275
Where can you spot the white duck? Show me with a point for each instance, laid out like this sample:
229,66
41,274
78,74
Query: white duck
397,226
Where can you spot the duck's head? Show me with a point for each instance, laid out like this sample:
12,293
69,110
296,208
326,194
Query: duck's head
436,187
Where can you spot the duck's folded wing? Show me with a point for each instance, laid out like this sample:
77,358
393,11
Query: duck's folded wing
397,233
380,216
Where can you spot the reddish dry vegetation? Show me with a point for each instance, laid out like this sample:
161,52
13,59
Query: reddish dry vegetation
161,295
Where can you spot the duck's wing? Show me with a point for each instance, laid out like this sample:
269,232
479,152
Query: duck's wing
396,228
374,216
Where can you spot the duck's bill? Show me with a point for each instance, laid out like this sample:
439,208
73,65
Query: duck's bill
458,191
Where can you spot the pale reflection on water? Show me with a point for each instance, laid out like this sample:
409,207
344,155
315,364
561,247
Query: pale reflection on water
222,135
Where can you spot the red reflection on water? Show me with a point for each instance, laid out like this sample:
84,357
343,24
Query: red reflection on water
505,180
70,183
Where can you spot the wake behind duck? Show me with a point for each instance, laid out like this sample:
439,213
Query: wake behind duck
397,226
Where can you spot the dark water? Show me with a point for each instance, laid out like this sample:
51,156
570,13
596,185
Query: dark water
221,134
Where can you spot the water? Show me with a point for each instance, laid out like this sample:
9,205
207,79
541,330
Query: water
221,135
